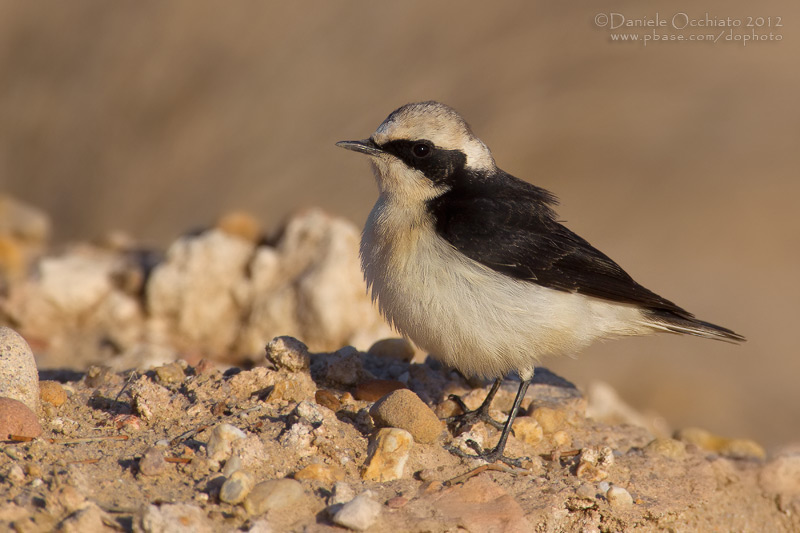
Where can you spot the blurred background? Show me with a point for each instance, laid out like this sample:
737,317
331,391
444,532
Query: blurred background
678,159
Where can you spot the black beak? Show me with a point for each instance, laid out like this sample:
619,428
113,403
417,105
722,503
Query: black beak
367,146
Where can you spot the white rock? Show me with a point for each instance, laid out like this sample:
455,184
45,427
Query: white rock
619,497
218,447
342,493
237,487
19,378
175,518
358,514
200,270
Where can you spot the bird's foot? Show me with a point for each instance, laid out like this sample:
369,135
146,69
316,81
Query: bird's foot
490,456
481,414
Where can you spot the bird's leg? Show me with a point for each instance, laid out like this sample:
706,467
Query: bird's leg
480,414
496,454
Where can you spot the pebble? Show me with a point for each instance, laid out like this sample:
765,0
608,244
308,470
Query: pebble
405,410
375,389
327,399
52,392
289,353
218,447
398,502
15,474
89,519
341,493
232,465
323,473
674,449
358,514
345,367
170,373
273,495
399,349
528,430
551,420
388,453
19,378
309,412
782,476
237,487
175,518
619,497
152,462
17,419
586,491
293,388
734,448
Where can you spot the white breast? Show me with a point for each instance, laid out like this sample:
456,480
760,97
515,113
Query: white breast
467,315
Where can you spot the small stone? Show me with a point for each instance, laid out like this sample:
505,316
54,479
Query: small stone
358,514
289,353
375,389
619,497
327,399
562,440
309,412
341,493
236,487
232,465
19,378
674,449
170,373
218,447
293,388
175,518
399,349
345,367
403,409
323,473
528,430
152,462
734,448
65,500
18,420
52,392
150,400
398,502
15,474
388,453
273,495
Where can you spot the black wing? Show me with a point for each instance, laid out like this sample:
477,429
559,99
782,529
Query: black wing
508,226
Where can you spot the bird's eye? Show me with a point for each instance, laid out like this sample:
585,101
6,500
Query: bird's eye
421,150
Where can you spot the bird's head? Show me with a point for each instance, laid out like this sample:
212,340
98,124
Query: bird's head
421,149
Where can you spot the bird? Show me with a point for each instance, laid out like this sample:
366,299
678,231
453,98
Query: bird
473,265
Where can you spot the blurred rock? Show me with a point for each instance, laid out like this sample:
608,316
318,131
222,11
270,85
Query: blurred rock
782,476
152,462
237,487
52,392
273,495
388,453
19,378
199,270
674,449
359,514
309,286
483,504
24,230
528,430
605,405
619,497
218,447
399,349
404,409
150,400
327,474
89,519
175,518
17,419
240,224
735,448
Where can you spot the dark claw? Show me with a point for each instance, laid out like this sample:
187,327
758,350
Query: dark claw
481,414
491,456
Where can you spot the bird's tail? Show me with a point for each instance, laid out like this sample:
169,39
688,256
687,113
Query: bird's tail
668,321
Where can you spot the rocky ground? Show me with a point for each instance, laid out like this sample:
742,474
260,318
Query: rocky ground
156,407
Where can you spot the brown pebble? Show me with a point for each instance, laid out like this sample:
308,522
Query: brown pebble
328,474
16,419
170,373
52,392
397,502
374,389
326,398
405,410
152,462
399,349
240,224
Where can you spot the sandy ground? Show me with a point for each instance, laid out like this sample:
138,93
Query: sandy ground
678,159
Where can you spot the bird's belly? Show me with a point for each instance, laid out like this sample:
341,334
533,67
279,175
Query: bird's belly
473,318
